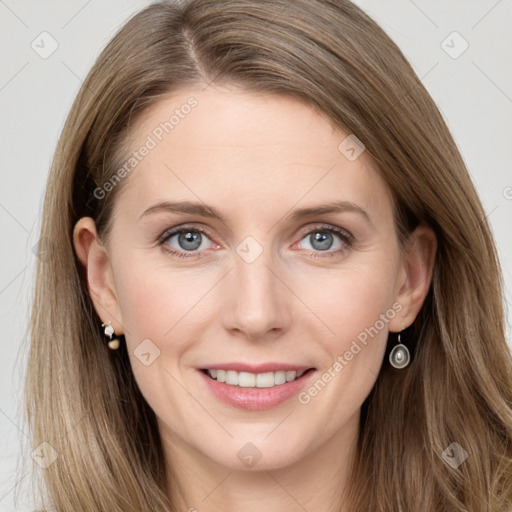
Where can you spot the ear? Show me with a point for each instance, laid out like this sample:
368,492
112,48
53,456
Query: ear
416,276
100,279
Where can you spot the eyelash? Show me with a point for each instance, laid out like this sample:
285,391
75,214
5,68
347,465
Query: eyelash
346,238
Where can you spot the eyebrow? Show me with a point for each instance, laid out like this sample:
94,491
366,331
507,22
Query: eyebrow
298,214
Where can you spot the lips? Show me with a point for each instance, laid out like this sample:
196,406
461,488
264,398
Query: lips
257,368
255,387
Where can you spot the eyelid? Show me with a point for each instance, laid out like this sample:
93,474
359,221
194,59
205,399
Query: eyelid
168,233
326,227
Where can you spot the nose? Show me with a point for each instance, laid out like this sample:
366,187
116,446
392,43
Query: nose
258,303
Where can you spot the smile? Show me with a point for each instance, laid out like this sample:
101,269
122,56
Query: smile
258,389
254,380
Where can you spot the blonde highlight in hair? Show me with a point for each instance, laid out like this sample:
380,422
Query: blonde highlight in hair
84,401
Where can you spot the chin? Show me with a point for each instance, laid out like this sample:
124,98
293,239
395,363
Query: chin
258,455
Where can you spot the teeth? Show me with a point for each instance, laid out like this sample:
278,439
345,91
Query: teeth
246,380
279,378
251,380
232,378
265,380
290,376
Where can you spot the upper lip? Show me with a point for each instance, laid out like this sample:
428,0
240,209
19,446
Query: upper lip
257,368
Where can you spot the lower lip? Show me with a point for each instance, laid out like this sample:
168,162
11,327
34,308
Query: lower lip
256,399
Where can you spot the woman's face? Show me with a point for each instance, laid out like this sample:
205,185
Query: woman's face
218,259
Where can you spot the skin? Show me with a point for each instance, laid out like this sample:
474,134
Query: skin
255,158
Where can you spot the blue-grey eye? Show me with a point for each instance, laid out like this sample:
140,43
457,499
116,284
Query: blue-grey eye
323,240
187,240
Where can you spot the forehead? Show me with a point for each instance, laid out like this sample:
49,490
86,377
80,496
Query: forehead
224,144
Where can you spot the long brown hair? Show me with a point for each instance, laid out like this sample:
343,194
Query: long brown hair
84,401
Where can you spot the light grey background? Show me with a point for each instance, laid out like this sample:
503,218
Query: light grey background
473,91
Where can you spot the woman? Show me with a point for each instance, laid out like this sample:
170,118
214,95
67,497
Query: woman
274,286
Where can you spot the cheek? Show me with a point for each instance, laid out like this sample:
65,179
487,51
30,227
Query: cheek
362,305
158,305
142,302
357,305
157,302
353,298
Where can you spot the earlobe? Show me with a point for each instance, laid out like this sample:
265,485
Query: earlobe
418,267
94,258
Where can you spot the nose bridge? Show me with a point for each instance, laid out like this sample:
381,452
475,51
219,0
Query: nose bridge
257,300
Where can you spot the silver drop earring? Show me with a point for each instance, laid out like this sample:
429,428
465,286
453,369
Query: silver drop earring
399,357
